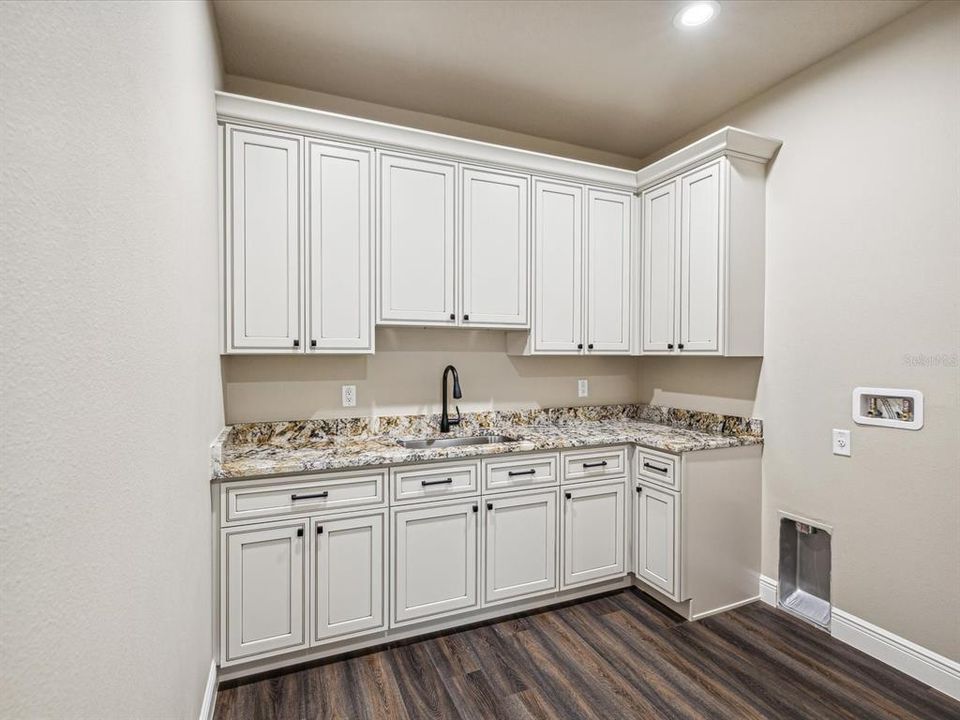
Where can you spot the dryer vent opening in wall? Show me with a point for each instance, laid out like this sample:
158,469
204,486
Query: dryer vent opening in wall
804,585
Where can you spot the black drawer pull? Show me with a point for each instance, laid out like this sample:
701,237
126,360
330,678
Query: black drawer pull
514,473
602,463
654,467
311,496
425,483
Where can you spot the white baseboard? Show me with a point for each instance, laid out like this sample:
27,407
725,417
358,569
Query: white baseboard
768,590
725,608
210,693
916,661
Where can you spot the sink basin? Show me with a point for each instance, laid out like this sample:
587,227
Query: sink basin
421,444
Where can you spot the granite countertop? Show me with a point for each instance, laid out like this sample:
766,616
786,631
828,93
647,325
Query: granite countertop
275,448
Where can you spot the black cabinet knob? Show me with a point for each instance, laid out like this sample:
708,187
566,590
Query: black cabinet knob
489,506
313,343
453,316
567,495
579,346
590,346
296,343
639,490
319,529
669,346
680,346
300,532
466,317
476,507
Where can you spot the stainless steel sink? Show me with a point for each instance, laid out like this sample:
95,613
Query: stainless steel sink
420,444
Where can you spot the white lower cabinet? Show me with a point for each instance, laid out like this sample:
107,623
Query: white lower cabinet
655,547
520,545
593,533
263,571
434,555
348,564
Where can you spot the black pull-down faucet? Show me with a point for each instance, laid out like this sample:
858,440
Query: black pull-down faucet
445,421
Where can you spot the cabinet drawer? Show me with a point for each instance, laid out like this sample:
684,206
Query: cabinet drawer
424,482
590,464
658,468
312,495
517,473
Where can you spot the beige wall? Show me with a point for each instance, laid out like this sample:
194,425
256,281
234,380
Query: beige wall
423,121
109,377
863,275
403,376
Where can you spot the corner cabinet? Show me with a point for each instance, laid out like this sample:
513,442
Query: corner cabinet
582,270
296,245
703,261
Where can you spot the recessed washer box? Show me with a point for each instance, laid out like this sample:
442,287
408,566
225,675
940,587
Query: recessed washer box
888,407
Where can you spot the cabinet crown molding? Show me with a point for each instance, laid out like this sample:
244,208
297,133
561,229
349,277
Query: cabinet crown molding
281,116
729,141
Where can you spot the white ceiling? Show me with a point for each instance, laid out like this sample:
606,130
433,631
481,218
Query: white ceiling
616,76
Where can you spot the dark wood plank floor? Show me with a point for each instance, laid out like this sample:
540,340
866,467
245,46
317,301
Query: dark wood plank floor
617,656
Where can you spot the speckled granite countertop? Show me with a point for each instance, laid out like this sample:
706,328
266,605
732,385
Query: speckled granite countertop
275,448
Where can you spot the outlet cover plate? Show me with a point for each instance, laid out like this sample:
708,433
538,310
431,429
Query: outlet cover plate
583,387
841,442
348,395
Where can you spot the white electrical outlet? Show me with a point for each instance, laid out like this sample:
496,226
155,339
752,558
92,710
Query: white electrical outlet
841,442
583,388
348,394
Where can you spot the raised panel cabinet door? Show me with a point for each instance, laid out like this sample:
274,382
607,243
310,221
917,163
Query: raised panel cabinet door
417,233
608,271
520,544
495,216
659,277
593,533
339,248
263,576
701,261
348,575
434,564
264,241
558,277
655,539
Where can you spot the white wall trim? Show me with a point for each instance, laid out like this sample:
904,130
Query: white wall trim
725,608
768,590
916,661
210,693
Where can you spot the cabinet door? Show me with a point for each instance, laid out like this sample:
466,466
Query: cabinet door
348,570
495,247
434,567
558,252
608,272
520,545
263,571
659,285
655,544
264,241
593,534
700,259
338,246
416,241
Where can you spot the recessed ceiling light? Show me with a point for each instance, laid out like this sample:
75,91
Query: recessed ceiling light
697,14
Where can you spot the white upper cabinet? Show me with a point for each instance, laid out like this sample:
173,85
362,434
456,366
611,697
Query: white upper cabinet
262,255
338,248
417,240
703,256
495,247
700,262
608,271
558,278
659,277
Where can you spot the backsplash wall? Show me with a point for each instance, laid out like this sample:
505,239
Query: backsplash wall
403,377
